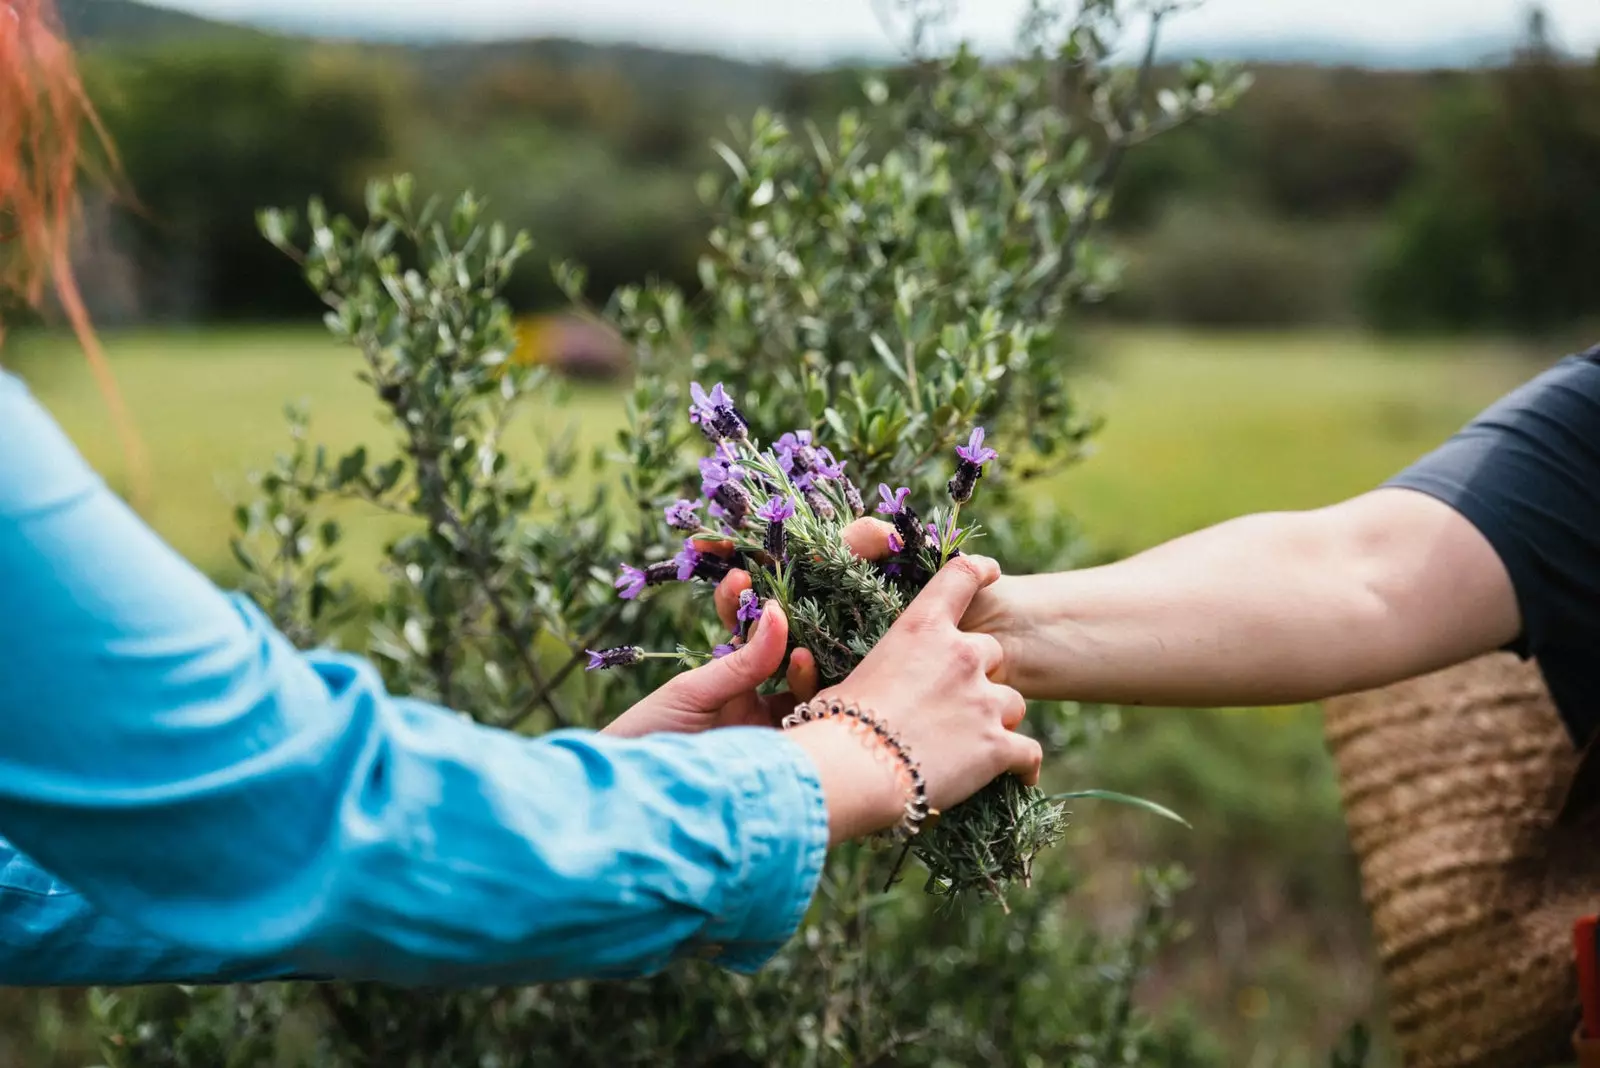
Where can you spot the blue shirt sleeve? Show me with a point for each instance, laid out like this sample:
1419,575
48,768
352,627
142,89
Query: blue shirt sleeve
166,753
50,935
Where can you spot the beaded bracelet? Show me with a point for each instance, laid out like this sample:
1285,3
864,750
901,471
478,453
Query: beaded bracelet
917,808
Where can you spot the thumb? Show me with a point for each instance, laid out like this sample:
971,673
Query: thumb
947,594
712,685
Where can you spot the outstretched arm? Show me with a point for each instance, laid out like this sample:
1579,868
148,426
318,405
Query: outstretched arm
1491,541
168,755
1267,609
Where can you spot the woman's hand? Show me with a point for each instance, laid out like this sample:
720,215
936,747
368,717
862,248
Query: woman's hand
930,684
723,692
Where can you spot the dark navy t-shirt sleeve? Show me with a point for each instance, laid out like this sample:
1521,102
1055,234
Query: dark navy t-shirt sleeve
1526,473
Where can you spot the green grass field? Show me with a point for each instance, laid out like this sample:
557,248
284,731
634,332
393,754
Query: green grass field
1199,428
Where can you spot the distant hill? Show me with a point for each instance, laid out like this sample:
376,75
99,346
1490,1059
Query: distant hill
130,21
1464,52
93,22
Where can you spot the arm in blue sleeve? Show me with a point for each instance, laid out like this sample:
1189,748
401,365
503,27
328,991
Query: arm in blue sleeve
50,935
165,752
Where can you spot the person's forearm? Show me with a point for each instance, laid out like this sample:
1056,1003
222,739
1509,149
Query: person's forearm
1268,609
53,936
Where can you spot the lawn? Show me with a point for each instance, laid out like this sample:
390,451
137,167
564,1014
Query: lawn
1198,428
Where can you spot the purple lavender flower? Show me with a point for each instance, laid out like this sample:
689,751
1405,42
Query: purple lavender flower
776,510
804,462
715,471
749,612
974,451
816,501
795,452
896,543
687,560
973,455
720,651
631,582
852,498
716,415
684,515
906,521
894,501
712,568
735,502
826,466
661,571
623,656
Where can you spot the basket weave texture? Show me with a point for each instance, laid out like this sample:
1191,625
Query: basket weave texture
1452,786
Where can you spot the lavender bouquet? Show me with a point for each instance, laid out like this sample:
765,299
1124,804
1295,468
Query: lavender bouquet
784,509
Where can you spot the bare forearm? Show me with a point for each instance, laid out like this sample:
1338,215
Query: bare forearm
1267,609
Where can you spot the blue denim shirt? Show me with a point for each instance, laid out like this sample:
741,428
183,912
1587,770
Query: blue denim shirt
211,803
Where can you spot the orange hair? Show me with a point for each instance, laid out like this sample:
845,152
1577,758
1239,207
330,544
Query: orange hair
43,110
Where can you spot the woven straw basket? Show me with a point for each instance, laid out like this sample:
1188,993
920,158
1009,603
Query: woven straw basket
1472,818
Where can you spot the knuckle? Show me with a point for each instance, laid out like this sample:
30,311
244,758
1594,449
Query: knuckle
964,567
965,657
988,647
920,622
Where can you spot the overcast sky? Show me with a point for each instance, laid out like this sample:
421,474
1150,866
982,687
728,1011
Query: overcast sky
815,30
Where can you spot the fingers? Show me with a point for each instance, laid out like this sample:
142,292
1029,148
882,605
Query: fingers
715,546
868,538
802,675
946,596
991,655
1023,757
742,670
732,585
1013,707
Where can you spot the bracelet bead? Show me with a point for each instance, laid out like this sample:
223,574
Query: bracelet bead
917,809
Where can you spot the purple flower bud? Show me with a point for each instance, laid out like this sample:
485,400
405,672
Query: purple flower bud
749,612
721,651
964,481
894,501
688,559
684,515
909,526
716,471
624,656
852,497
715,414
749,607
896,543
816,501
974,452
661,571
776,510
631,582
734,501
826,466
794,452
712,568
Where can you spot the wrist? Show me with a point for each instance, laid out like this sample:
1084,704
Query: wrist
860,784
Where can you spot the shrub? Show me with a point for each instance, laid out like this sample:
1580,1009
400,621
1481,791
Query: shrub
892,296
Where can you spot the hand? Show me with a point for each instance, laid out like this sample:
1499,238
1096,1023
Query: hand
930,684
866,538
723,692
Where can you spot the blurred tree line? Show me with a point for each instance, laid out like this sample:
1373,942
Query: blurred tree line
1406,200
